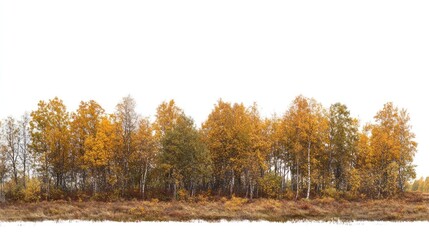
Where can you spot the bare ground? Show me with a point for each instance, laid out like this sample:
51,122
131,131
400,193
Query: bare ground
414,207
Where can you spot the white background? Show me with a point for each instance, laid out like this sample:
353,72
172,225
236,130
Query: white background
217,231
361,53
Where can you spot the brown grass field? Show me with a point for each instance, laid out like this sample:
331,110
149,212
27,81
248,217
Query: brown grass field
412,207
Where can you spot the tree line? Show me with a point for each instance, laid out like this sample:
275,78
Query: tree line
419,185
309,151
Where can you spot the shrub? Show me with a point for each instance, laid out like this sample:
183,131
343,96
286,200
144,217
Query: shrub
235,203
182,195
56,193
324,200
271,185
202,198
82,196
288,195
100,197
32,191
331,192
139,211
13,192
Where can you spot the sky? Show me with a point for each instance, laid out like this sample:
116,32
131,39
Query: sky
360,53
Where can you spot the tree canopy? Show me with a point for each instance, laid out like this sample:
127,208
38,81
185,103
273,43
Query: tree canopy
309,151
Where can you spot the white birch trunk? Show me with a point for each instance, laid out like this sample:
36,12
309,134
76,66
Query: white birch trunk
309,170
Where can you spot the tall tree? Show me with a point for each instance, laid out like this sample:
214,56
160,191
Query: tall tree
277,156
237,139
364,162
3,168
99,156
128,118
50,142
223,136
167,116
343,136
258,150
407,149
10,149
84,124
24,147
185,157
146,152
393,149
305,125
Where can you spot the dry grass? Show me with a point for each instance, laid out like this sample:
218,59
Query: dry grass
412,208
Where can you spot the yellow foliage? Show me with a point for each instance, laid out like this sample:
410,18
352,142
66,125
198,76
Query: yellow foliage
182,194
235,203
331,193
137,211
32,191
270,185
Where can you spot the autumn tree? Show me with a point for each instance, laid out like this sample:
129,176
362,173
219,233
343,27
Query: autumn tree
256,161
84,124
24,147
309,151
50,142
238,142
364,170
167,115
185,157
127,117
277,156
407,149
343,137
145,153
14,141
3,172
3,169
392,150
419,185
426,186
10,148
305,125
220,141
99,156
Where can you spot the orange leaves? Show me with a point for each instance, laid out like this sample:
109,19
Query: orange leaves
99,149
50,132
166,117
145,141
238,142
308,147
392,148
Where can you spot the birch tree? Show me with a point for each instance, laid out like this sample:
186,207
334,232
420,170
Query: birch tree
10,149
24,147
128,119
50,135
146,152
